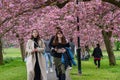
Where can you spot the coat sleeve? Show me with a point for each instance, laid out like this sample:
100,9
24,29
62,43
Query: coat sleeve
93,52
51,41
28,47
101,53
42,46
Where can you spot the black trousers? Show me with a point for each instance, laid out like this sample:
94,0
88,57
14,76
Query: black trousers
70,64
97,63
37,69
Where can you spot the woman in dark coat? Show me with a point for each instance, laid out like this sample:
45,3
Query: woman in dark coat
58,48
97,54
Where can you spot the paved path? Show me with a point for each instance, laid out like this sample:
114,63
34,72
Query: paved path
52,75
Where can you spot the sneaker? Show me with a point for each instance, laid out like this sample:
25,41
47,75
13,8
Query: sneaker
47,72
70,68
96,67
51,70
53,63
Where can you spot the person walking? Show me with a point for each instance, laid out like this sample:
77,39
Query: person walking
50,44
87,53
72,45
35,64
72,48
48,56
97,54
58,48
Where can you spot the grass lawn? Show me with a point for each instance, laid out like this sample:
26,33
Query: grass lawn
14,68
89,71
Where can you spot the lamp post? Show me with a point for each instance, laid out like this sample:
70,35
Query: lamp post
78,41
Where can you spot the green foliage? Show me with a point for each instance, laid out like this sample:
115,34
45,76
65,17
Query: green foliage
10,59
15,69
90,72
117,45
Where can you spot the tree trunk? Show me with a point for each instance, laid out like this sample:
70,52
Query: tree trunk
109,48
22,48
1,54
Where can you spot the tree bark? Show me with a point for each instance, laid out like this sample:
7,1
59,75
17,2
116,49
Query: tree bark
1,54
114,2
109,48
22,48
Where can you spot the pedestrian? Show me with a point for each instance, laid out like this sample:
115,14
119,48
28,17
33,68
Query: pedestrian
48,56
50,44
58,45
87,53
97,54
36,68
72,45
72,48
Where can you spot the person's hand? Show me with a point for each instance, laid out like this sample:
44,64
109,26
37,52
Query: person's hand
55,49
35,50
63,50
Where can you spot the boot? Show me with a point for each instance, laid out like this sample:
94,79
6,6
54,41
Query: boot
63,77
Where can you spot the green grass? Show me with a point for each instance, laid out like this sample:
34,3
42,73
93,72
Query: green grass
106,72
15,69
11,52
89,71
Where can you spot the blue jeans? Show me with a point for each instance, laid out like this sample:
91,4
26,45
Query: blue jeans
49,60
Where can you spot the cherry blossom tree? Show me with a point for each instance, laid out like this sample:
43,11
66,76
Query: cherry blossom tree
97,20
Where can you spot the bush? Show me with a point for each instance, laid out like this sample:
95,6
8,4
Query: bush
9,59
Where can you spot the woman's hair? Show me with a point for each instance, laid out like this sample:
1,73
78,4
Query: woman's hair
58,28
98,45
71,39
55,41
32,37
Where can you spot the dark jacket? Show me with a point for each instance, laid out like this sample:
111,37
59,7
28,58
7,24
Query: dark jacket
54,53
97,53
51,41
59,55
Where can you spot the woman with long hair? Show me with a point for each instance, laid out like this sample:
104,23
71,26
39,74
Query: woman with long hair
58,48
36,68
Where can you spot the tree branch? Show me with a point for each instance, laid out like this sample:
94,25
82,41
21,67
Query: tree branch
6,30
114,2
48,3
